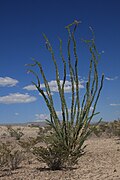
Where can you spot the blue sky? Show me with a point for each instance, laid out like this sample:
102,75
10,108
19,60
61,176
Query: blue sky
22,23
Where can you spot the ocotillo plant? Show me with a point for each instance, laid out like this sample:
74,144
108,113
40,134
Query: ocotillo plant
65,145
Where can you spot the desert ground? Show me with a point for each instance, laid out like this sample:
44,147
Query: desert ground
100,162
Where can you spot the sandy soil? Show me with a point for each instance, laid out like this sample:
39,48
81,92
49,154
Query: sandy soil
100,162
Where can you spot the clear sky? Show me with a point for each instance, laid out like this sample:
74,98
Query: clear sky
22,23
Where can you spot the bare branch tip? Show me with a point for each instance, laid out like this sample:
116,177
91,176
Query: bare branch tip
77,22
28,72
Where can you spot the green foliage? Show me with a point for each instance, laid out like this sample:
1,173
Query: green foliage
65,144
55,154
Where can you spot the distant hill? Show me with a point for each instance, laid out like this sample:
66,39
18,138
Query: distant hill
41,124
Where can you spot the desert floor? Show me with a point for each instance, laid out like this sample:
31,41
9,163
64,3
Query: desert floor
100,162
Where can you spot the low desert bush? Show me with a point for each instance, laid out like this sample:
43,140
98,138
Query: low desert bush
28,145
110,129
15,133
4,135
115,128
10,158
